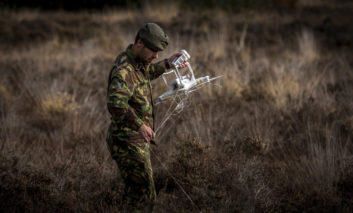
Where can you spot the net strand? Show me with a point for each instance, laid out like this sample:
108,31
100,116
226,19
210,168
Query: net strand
180,104
175,180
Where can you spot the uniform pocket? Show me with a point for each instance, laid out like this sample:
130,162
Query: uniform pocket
137,140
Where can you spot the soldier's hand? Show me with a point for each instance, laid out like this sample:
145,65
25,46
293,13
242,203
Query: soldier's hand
176,55
147,133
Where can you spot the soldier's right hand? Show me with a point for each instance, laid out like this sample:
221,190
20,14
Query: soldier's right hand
173,57
147,133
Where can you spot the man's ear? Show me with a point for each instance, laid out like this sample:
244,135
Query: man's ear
139,43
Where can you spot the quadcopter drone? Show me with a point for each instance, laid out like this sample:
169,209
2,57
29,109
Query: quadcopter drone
182,85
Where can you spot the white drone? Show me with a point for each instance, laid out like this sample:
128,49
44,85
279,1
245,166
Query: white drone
182,85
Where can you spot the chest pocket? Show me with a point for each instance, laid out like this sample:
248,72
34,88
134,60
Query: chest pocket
141,99
143,89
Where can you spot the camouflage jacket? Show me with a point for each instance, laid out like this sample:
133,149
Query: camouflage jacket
129,97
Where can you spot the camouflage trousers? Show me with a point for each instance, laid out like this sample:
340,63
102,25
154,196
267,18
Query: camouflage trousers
133,159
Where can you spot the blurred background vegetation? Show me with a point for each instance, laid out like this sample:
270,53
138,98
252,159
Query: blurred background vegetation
229,5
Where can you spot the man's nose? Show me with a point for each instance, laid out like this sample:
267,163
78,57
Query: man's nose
155,55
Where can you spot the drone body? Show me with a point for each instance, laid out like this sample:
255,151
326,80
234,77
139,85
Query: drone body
182,85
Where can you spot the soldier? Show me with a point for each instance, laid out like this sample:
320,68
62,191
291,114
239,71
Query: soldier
129,101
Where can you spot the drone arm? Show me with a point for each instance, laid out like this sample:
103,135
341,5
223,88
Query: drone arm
164,78
191,71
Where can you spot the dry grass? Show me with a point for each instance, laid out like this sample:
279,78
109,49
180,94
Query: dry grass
61,103
160,12
275,135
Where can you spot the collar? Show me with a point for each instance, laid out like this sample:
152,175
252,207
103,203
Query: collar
136,62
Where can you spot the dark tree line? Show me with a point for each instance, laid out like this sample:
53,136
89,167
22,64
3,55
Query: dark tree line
65,4
232,5
102,4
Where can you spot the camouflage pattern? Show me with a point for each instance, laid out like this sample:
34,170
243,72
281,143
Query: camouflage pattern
134,163
130,104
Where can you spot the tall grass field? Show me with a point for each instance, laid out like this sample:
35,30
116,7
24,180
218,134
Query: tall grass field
274,134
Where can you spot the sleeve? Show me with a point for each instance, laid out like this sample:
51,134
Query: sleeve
156,70
120,90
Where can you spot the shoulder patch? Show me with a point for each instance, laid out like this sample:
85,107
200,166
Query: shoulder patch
119,84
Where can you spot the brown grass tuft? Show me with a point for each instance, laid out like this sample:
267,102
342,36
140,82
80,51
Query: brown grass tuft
59,104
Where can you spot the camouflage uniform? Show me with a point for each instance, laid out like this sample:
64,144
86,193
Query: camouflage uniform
130,105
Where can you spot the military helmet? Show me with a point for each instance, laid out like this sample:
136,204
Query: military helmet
153,37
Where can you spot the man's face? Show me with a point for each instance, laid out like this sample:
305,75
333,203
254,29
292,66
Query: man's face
147,55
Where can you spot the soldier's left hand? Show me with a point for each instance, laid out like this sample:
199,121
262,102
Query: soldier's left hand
176,55
147,133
